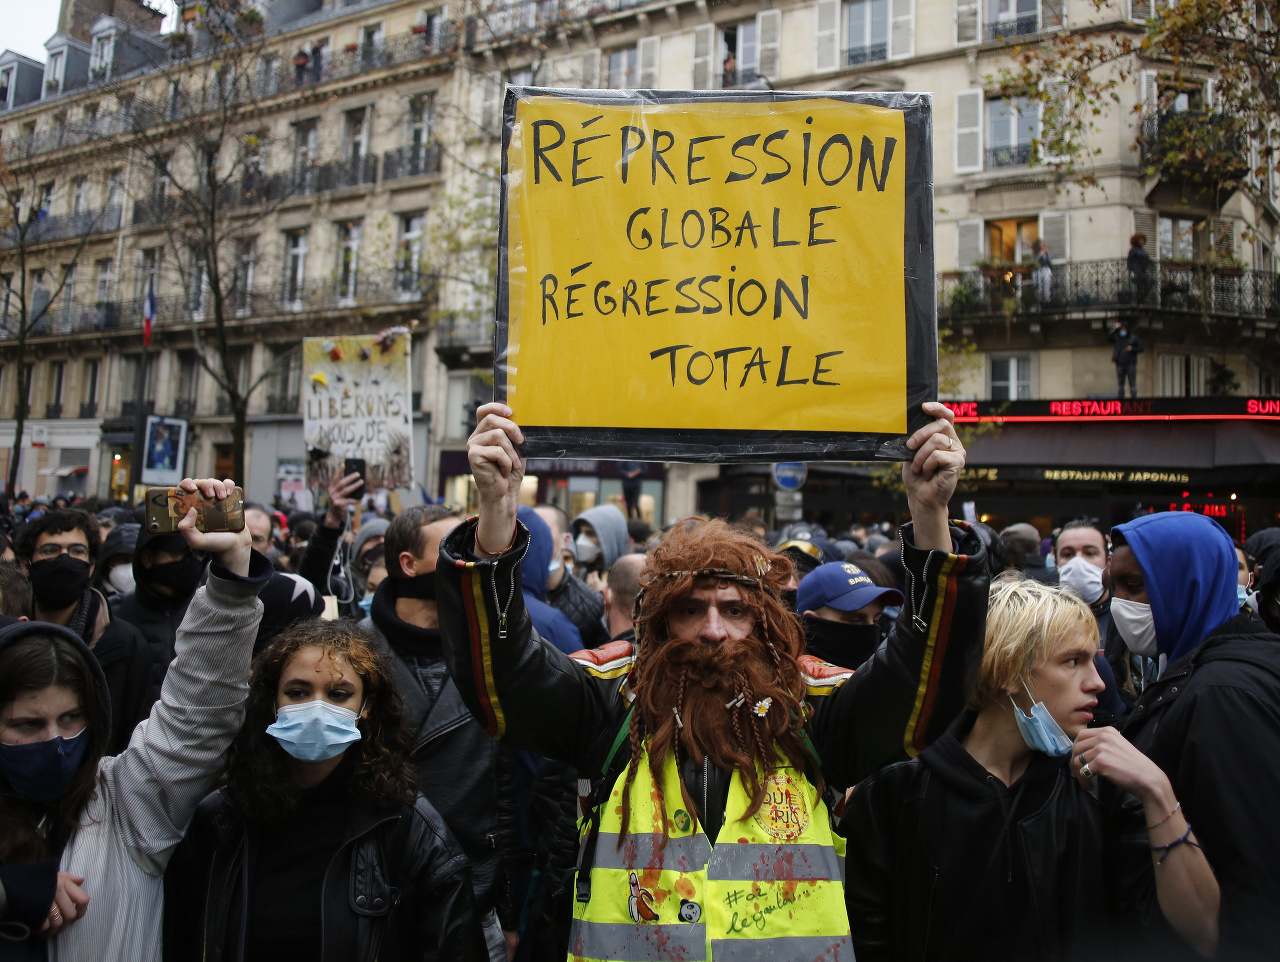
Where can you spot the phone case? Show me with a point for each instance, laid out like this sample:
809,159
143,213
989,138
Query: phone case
165,507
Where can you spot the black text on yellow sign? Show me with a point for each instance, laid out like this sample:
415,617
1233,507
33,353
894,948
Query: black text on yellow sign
729,266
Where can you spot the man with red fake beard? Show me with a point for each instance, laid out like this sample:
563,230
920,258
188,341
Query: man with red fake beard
708,750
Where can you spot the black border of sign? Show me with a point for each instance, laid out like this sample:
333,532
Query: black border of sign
725,446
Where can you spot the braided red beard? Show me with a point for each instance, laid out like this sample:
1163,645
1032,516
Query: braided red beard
702,680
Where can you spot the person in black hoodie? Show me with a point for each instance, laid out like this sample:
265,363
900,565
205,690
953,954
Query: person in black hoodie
466,776
59,551
987,847
319,846
1211,719
166,574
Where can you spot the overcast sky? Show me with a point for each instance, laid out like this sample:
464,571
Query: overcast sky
29,23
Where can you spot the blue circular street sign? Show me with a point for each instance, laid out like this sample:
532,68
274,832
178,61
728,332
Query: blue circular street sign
790,475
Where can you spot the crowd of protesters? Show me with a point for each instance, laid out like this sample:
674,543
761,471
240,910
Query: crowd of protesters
361,735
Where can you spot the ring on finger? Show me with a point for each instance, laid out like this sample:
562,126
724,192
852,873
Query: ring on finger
55,915
951,442
1084,770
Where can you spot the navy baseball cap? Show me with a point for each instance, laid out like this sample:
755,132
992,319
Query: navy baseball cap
843,586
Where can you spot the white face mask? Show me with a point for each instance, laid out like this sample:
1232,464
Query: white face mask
1083,577
1136,624
588,550
121,578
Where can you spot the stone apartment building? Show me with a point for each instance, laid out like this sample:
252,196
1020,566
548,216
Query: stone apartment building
395,107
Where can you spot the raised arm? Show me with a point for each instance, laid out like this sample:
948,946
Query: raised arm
176,754
522,689
910,689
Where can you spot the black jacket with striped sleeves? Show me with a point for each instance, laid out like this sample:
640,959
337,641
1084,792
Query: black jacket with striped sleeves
531,695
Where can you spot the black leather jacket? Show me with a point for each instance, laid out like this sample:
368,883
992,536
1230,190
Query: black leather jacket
399,888
531,695
583,606
465,775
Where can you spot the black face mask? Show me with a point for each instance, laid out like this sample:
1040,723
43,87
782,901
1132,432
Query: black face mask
789,598
421,587
59,582
845,645
181,577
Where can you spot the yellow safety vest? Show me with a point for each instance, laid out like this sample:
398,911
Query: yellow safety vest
771,890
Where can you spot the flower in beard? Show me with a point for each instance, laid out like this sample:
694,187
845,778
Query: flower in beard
698,695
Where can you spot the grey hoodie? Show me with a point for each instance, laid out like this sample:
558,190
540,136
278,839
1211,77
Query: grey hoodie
610,525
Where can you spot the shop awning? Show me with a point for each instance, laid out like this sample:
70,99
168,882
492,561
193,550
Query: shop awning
1155,444
64,470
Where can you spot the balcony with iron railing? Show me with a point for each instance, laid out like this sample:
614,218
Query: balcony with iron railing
89,409
282,403
1169,286
1010,155
867,53
411,161
385,288
1190,142
56,227
129,407
465,341
184,407
53,411
1021,26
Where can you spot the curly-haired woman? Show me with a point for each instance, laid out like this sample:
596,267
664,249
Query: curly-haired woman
319,846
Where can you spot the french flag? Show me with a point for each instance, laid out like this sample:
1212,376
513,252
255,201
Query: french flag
148,314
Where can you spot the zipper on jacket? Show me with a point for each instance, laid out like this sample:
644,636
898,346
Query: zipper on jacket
917,611
497,603
444,731
706,803
208,895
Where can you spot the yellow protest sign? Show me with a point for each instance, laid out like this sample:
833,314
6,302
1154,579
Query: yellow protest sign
711,278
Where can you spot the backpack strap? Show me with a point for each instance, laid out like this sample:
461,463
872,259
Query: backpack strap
591,810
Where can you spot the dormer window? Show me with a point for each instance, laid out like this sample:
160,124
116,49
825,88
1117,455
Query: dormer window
103,55
53,73
6,82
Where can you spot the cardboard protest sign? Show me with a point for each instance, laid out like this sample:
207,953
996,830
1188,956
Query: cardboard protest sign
717,275
357,404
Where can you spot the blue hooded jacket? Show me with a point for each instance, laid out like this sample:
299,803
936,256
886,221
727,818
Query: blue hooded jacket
551,623
1189,564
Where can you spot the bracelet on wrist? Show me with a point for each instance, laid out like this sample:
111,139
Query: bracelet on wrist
1184,839
481,549
1176,809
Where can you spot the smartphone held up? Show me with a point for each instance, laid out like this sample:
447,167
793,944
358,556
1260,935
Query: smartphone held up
165,507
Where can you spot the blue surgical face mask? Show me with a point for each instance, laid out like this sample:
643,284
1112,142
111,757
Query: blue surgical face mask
1242,595
314,731
554,566
1039,730
366,603
43,771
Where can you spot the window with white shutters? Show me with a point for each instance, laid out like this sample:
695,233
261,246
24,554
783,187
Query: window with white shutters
968,19
1056,233
968,243
1140,10
1224,237
902,29
650,48
1052,14
826,53
1171,375
769,30
1009,19
1144,223
704,48
968,126
866,31
1054,118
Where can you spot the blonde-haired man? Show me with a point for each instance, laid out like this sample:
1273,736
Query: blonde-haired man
987,846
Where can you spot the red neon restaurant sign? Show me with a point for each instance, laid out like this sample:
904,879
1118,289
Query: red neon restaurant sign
1115,409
